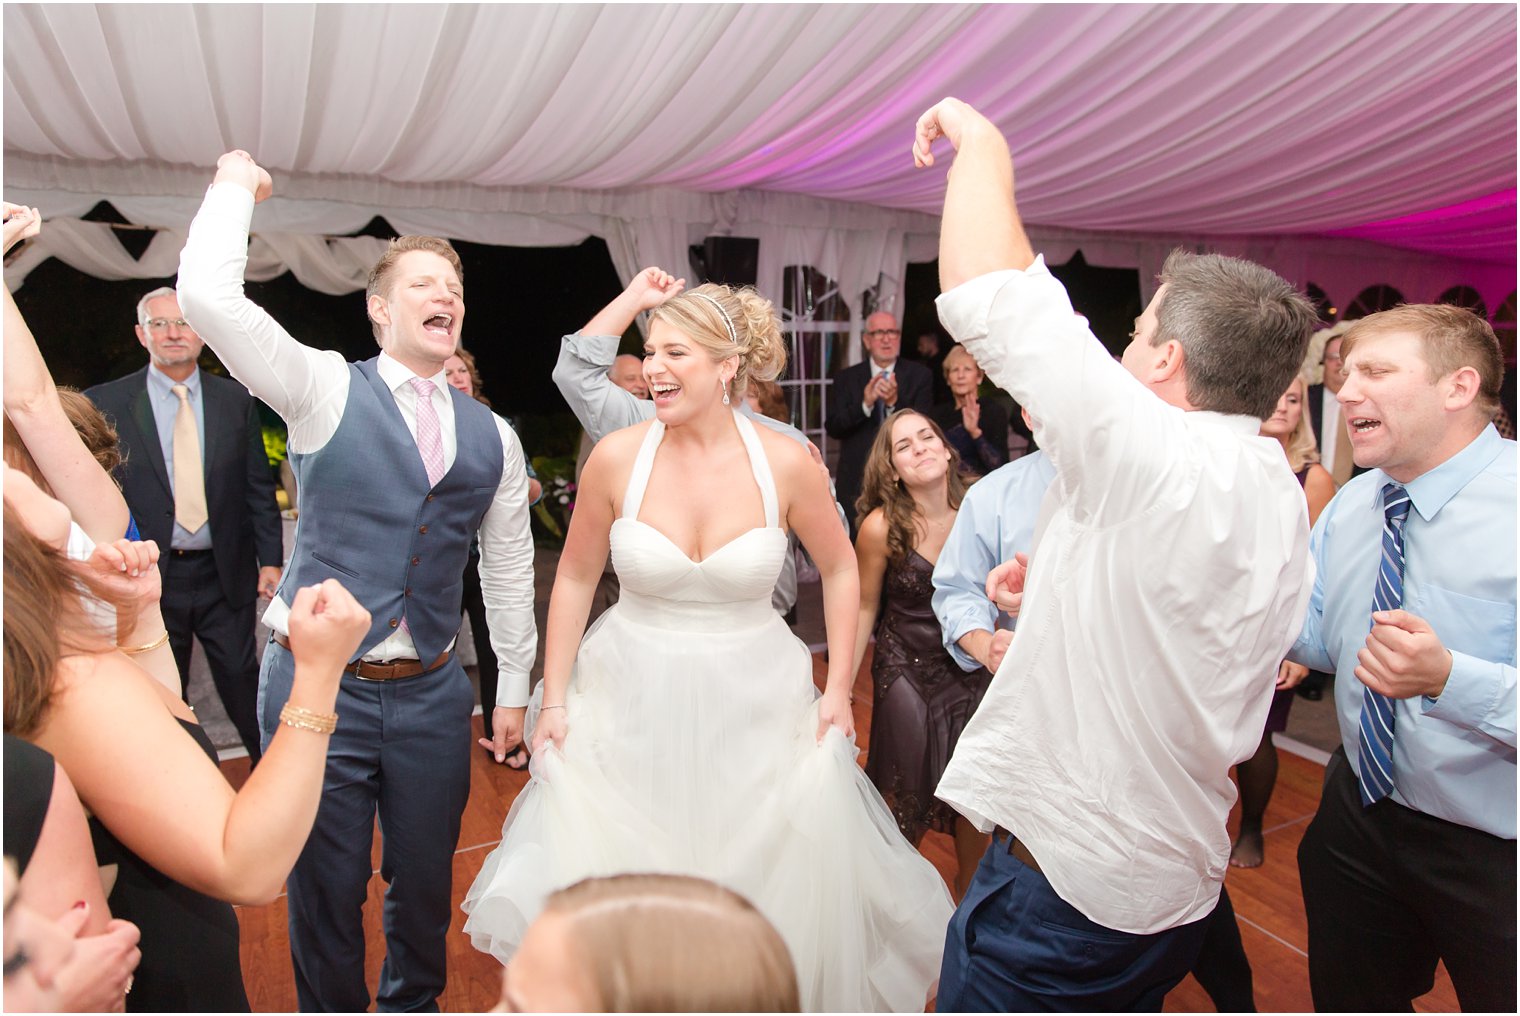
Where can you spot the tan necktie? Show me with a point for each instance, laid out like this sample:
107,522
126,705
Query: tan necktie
189,483
1340,469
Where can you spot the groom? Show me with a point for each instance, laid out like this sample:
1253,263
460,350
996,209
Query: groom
397,472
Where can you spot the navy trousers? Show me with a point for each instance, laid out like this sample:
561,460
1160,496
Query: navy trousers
402,751
1013,945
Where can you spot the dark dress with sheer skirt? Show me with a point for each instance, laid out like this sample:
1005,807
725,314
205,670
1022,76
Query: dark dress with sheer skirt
189,943
922,700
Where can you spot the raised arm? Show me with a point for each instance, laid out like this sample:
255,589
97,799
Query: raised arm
580,373
32,405
981,231
306,386
166,801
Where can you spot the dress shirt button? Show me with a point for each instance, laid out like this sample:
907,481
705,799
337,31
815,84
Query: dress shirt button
394,622
416,560
422,529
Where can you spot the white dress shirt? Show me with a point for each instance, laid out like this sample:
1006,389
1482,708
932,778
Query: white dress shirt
309,389
1169,576
1331,429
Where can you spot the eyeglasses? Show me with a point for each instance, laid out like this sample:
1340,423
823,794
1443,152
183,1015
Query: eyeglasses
875,332
158,324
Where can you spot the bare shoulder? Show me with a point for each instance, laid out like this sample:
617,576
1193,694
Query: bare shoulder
789,459
871,531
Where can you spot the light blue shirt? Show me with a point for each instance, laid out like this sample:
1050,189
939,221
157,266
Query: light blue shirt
996,520
165,409
1453,757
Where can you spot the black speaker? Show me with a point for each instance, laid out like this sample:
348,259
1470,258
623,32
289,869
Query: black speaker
727,260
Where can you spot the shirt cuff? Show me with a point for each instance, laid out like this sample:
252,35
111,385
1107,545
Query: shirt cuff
1471,693
963,311
511,689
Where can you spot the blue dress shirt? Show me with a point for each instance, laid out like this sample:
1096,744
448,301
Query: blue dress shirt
1453,757
165,409
996,520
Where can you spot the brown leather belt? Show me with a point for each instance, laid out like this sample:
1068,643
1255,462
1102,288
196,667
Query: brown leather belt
391,670
1017,849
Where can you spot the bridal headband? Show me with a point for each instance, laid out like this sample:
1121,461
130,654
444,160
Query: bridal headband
728,322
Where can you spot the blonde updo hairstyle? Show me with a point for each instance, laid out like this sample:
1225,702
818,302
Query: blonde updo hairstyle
756,338
675,943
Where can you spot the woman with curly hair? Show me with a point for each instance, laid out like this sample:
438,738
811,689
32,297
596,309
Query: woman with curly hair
684,733
911,490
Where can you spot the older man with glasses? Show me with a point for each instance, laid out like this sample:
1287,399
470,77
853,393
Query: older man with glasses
863,395
198,482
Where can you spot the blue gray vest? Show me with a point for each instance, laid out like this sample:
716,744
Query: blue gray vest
370,520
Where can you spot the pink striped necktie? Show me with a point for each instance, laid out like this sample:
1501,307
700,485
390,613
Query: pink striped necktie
429,431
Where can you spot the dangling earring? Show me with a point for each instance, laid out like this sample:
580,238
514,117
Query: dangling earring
725,390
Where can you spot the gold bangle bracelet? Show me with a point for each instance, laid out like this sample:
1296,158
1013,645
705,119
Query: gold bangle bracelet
134,650
305,719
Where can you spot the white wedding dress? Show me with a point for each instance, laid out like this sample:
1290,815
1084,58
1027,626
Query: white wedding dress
692,748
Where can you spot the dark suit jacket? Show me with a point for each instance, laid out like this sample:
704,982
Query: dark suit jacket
855,431
1315,397
244,517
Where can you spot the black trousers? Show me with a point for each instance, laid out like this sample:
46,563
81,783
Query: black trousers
193,605
1222,967
1389,891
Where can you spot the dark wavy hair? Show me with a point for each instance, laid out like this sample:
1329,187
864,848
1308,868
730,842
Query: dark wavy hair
880,487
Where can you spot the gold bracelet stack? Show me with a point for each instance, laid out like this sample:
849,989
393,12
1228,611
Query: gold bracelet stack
134,650
305,719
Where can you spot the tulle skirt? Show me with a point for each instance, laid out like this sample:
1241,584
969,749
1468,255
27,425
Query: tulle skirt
695,752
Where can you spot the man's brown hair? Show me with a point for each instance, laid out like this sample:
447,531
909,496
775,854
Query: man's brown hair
1450,337
385,268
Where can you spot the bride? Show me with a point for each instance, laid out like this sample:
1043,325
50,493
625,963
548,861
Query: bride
685,734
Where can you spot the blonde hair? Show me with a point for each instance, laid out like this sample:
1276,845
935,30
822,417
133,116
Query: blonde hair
1302,447
959,350
1450,338
730,322
675,943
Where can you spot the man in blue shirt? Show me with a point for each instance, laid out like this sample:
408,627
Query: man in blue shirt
996,520
1411,858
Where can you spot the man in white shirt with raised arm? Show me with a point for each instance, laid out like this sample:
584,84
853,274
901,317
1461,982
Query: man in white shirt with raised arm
1168,577
398,471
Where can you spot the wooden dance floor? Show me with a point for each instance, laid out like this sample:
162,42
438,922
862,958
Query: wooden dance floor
1267,900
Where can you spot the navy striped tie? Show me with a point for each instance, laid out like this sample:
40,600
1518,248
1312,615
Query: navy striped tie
1375,732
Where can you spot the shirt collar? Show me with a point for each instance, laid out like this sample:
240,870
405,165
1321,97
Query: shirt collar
395,374
1430,491
1244,426
876,369
163,384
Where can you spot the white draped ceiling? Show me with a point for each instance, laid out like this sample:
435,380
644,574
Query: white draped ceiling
1346,145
